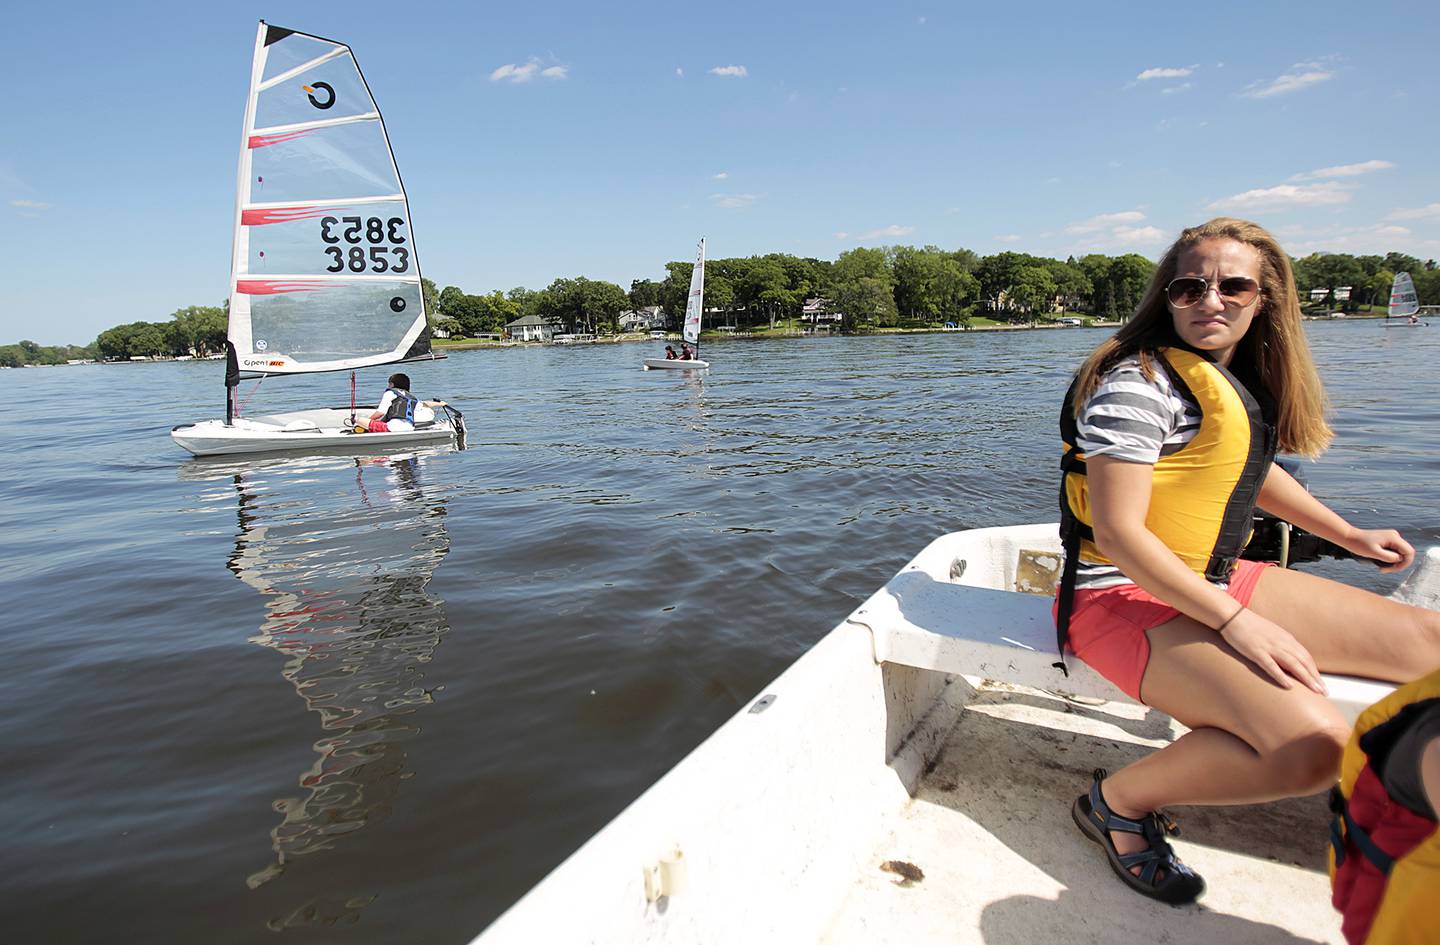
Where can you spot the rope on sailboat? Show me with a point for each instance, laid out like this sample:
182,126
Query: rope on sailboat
352,399
240,407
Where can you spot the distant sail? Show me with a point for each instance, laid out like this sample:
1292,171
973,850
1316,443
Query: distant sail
695,303
324,273
1403,300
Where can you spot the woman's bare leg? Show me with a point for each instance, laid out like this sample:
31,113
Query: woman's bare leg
1348,630
1250,740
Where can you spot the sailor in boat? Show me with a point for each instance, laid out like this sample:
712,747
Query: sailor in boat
1170,431
400,411
687,353
670,353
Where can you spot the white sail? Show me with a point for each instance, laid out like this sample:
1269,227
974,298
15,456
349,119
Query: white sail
695,302
1403,300
324,272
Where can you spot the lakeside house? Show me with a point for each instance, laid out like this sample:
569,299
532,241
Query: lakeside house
645,318
529,328
818,313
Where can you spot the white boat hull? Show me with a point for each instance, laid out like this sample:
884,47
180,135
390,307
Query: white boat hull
667,364
787,824
325,428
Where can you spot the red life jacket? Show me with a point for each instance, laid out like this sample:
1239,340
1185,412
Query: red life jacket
1384,858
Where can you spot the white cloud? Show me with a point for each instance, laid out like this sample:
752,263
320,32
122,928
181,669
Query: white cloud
1305,75
1138,234
1105,221
680,72
1183,86
1165,73
738,72
1374,238
1008,238
721,176
1344,170
734,201
840,235
510,72
29,205
1430,212
893,230
1284,195
921,20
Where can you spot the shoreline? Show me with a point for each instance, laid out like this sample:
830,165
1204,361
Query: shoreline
441,344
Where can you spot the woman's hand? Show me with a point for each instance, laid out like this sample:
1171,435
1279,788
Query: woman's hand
1272,648
1382,545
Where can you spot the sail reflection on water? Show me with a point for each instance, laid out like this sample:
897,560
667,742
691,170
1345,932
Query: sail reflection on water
345,574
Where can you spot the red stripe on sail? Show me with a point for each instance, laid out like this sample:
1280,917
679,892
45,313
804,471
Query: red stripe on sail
286,214
273,287
264,141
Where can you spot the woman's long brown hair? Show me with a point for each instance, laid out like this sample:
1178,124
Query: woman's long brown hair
1273,350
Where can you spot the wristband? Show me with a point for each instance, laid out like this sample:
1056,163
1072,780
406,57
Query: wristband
1238,612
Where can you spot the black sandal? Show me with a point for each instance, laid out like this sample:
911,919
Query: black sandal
1177,886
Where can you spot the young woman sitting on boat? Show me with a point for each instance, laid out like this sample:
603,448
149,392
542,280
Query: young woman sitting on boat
1170,429
399,410
670,353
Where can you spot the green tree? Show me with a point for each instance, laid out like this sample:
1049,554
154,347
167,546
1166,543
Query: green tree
1033,290
864,288
201,329
431,297
643,293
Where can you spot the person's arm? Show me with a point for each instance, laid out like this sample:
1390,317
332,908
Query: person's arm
1285,498
1120,500
434,403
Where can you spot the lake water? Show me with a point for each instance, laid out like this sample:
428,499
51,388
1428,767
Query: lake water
375,700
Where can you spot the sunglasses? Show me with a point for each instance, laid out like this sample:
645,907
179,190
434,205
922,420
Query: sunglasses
1189,290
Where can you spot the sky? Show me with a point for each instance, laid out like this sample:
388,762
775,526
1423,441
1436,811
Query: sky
549,140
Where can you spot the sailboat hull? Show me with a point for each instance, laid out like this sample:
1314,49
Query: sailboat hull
663,364
323,428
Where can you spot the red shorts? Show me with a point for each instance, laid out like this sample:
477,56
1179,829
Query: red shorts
379,426
1108,625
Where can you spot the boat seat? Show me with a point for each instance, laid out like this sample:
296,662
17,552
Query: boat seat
1007,636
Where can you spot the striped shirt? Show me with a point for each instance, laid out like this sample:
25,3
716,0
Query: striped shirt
1136,419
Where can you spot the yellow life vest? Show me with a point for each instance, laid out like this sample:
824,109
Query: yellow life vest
1384,858
1202,496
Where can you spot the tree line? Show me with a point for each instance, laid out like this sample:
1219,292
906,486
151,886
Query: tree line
870,288
898,286
867,288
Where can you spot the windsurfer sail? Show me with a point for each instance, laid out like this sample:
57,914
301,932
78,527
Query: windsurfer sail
1404,303
694,311
324,274
695,301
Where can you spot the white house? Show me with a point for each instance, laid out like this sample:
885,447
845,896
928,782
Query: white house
529,328
645,318
818,310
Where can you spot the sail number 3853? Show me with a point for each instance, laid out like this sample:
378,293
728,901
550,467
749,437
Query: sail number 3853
359,230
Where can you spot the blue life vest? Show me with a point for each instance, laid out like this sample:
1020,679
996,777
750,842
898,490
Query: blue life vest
402,407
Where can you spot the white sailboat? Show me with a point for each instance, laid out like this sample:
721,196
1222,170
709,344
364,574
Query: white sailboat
694,309
324,275
1404,303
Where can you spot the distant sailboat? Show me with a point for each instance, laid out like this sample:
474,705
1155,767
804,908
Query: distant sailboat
1404,303
324,275
694,310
